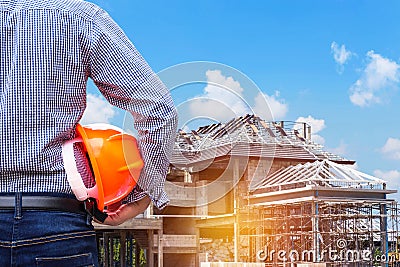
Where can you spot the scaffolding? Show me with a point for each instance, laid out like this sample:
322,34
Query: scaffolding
325,213
336,233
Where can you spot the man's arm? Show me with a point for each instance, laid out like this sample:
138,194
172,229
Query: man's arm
126,81
127,211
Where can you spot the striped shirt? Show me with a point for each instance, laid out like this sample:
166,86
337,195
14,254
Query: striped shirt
49,49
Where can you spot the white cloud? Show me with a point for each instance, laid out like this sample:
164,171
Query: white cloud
380,75
340,55
392,178
216,80
340,150
97,110
317,125
276,106
392,148
388,175
213,109
224,98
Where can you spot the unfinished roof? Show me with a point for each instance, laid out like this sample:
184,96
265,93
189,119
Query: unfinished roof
320,173
318,180
249,136
340,191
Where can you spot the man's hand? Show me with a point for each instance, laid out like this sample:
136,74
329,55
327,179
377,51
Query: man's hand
127,211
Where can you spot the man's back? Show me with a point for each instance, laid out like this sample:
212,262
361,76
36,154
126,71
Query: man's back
49,49
44,67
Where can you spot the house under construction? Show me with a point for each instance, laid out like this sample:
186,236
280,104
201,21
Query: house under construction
252,191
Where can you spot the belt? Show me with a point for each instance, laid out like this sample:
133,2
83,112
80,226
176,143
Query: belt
43,203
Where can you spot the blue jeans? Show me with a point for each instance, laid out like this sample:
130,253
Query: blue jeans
46,238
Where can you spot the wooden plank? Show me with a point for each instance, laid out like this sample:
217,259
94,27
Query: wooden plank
180,250
232,264
196,135
177,241
254,128
281,130
266,127
214,222
296,132
133,224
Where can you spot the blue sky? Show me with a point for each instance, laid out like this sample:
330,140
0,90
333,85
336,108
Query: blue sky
334,64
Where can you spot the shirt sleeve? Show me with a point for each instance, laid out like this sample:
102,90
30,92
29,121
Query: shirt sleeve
127,82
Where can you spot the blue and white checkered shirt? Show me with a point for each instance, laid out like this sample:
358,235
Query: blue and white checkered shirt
49,49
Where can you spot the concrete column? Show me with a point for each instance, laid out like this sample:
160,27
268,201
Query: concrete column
384,234
315,231
160,248
197,258
235,210
150,252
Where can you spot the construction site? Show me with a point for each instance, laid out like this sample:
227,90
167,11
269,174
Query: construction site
250,192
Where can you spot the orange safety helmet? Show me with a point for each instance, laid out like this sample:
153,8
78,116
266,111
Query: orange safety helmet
115,161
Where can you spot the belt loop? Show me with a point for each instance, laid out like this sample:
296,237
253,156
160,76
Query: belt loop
18,206
89,219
